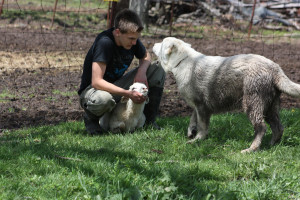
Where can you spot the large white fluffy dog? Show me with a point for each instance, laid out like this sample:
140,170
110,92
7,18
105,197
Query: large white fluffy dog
127,115
214,84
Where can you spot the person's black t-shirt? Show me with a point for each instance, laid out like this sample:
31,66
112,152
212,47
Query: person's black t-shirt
116,58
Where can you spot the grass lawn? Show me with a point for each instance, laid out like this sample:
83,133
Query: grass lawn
63,162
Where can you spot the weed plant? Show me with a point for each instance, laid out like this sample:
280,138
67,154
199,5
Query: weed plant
63,162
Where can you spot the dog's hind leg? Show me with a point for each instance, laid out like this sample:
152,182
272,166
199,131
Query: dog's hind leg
273,120
202,125
255,109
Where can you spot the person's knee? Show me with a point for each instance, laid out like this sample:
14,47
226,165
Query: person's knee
99,103
156,75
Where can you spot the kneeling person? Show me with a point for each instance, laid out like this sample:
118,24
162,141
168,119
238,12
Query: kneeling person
103,82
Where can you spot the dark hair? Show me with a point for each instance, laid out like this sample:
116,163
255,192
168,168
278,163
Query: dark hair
128,21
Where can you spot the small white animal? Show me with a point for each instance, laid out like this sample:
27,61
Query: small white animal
214,84
127,115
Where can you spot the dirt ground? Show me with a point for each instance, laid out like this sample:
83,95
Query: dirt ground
40,73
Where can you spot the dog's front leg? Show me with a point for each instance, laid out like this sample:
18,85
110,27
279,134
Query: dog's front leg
192,130
202,125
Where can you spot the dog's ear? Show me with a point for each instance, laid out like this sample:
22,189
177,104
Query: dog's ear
172,48
124,99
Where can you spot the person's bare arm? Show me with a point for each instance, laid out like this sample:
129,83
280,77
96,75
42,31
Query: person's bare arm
144,63
98,70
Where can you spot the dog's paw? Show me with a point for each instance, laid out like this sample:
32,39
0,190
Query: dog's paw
249,150
197,138
191,141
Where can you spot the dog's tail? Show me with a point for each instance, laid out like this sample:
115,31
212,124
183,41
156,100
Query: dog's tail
285,85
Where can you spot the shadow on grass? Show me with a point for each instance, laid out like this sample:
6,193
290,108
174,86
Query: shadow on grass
236,126
38,143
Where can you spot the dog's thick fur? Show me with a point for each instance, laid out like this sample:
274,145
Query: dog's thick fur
127,115
214,84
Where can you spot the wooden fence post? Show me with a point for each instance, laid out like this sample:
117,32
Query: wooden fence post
171,18
251,20
55,5
111,12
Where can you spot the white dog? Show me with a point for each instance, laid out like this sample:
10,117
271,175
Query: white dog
127,115
214,84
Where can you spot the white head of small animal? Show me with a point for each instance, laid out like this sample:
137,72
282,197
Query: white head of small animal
139,87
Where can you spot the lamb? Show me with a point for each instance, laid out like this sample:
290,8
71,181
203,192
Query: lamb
127,115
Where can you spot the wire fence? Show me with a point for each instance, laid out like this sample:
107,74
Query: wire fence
41,55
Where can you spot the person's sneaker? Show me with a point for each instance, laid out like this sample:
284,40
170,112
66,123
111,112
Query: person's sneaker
92,126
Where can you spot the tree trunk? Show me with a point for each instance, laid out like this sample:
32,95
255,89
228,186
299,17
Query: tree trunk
141,8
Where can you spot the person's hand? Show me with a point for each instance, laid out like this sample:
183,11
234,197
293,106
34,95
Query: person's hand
137,97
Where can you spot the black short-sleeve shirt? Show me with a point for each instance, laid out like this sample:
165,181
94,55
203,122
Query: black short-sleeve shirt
116,58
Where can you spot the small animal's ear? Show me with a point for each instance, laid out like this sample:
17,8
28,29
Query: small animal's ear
147,100
124,99
130,88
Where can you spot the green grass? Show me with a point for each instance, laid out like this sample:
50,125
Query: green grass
66,94
6,95
77,14
75,4
63,162
79,21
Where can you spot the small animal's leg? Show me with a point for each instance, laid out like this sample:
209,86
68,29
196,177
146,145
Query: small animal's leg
273,120
122,127
117,127
104,121
192,130
115,130
202,126
141,121
255,114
